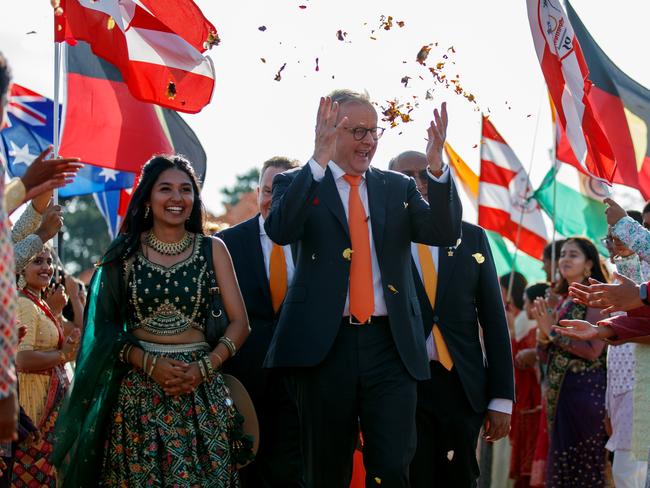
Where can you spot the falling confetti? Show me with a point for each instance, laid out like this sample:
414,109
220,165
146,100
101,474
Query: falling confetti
405,81
303,7
278,75
263,60
317,68
396,112
261,28
423,54
341,35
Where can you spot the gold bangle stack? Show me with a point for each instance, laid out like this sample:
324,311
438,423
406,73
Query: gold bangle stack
220,359
230,345
205,368
125,353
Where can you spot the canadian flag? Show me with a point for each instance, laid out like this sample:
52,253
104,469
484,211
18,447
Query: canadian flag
505,204
567,77
156,45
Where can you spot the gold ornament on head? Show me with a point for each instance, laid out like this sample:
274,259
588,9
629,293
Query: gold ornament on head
169,248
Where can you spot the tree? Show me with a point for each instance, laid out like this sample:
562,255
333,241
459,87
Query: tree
244,184
85,235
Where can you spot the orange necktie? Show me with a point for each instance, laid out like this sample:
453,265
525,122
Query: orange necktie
362,300
277,276
430,278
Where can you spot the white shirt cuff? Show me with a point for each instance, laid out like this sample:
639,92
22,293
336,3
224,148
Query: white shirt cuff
502,405
443,178
317,171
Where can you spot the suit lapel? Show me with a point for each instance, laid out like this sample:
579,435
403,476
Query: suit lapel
446,264
376,185
329,195
257,256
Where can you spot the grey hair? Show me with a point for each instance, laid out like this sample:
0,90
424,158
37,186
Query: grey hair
394,161
345,95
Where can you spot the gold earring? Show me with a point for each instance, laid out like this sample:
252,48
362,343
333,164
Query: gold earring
22,283
146,211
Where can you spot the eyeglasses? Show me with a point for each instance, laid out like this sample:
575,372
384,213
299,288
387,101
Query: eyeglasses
359,133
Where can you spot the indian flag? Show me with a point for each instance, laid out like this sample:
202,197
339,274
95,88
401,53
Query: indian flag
576,201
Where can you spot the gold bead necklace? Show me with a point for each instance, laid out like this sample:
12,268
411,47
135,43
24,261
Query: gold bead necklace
168,248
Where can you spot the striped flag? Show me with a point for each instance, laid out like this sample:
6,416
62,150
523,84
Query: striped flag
505,203
156,49
573,198
530,267
567,77
623,107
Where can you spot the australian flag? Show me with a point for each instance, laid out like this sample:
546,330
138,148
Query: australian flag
30,131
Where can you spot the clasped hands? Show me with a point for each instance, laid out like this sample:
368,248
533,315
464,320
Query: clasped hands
176,377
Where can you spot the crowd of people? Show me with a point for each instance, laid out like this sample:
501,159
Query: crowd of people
364,317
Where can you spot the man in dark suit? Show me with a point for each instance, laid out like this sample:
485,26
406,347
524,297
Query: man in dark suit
264,271
350,327
459,293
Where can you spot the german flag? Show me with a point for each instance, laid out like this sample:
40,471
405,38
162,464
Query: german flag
622,107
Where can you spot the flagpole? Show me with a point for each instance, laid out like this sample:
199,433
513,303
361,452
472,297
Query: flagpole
521,217
55,135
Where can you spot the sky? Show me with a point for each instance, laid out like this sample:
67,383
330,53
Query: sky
253,117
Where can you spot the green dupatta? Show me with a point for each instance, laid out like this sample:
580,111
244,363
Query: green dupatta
84,418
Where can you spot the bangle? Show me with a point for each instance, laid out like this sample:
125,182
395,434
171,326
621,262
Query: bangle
152,366
220,359
204,374
208,365
62,357
145,356
230,345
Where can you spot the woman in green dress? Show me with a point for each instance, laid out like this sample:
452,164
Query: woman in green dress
148,405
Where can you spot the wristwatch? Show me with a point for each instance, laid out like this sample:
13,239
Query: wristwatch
643,293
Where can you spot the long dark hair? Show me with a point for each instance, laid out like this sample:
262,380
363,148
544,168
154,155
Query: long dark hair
135,221
591,254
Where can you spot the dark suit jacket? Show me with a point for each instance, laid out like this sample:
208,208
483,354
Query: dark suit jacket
468,297
311,214
243,242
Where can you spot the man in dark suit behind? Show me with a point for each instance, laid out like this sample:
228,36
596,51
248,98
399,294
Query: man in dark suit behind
350,327
467,388
264,271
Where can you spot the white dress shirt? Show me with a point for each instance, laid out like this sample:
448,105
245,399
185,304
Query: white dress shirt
318,172
503,405
267,247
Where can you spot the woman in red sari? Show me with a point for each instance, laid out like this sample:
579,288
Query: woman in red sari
41,360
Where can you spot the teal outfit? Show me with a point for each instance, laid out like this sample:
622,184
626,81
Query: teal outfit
118,428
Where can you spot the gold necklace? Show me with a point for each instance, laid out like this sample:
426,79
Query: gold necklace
168,248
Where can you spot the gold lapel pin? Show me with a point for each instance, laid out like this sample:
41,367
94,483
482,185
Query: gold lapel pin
479,257
392,289
347,254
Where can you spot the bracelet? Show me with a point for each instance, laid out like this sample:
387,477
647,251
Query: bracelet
62,357
204,374
125,352
208,365
145,357
152,366
230,345
220,360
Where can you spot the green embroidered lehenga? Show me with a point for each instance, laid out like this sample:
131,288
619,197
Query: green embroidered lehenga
118,428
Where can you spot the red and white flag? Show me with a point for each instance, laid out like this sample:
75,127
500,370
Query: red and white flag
567,77
505,204
156,46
